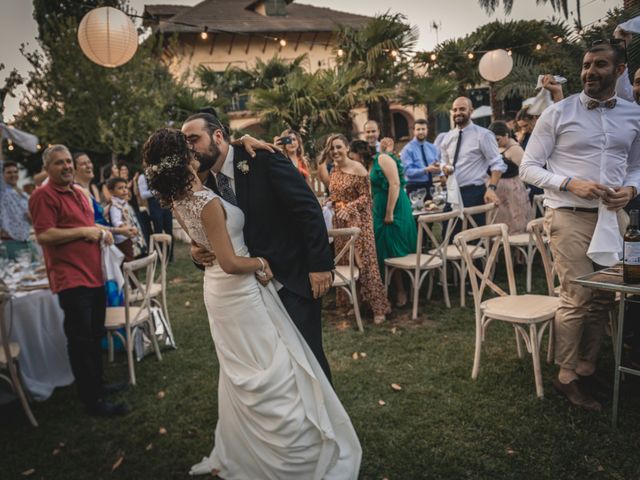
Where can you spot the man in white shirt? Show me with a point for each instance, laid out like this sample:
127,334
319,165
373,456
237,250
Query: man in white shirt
590,143
468,151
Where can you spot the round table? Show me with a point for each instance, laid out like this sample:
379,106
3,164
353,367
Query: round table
35,321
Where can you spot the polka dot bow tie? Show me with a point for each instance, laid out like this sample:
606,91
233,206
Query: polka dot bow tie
591,104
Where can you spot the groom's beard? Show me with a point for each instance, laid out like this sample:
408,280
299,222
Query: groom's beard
208,159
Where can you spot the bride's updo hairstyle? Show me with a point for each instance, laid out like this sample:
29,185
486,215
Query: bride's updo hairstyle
166,157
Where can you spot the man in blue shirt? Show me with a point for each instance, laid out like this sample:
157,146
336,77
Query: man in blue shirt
420,159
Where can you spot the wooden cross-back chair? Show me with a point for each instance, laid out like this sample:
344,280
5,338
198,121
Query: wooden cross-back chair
521,311
9,353
346,276
136,310
419,265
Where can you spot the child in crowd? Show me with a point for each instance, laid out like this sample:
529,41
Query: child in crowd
121,214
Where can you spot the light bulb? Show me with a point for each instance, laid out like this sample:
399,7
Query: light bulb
204,35
433,57
283,42
538,47
340,52
470,56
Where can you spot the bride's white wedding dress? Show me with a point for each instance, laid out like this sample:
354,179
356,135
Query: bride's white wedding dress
278,416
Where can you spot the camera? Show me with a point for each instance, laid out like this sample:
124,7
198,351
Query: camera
285,140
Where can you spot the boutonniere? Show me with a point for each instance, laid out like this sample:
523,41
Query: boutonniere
243,166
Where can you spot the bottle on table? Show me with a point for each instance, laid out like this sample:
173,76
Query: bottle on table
631,262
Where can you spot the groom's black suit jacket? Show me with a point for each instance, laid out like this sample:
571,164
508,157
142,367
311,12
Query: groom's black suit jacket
283,219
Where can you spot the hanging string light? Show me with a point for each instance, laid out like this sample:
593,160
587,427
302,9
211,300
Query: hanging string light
433,57
283,42
538,46
340,52
394,53
471,56
204,35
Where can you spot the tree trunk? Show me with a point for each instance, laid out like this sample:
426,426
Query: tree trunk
381,113
431,123
497,106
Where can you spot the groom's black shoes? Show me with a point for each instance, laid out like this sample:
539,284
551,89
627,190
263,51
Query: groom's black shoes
111,388
103,408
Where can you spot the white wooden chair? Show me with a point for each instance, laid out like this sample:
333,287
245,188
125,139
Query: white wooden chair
520,311
479,252
419,265
161,243
9,353
134,312
538,205
346,276
528,247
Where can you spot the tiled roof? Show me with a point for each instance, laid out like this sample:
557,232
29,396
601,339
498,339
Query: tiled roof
237,16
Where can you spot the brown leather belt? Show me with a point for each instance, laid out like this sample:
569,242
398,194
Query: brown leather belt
579,209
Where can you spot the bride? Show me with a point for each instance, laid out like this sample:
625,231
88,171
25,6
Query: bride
278,416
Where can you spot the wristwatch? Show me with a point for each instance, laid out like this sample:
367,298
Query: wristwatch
492,187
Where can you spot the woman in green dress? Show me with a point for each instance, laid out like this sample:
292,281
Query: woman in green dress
393,224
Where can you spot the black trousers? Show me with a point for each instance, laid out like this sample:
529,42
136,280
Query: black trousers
84,314
307,315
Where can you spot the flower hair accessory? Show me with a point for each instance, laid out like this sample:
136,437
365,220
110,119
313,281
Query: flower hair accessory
243,166
168,162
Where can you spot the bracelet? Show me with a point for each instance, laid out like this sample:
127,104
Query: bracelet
261,272
565,184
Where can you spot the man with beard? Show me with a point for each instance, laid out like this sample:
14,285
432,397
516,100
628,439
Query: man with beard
590,143
283,221
468,152
420,159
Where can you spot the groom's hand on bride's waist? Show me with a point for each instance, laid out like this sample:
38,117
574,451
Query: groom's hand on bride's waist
202,256
320,283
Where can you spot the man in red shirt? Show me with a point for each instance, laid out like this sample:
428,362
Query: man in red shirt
65,227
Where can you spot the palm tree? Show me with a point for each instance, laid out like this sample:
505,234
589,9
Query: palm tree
435,93
382,49
490,7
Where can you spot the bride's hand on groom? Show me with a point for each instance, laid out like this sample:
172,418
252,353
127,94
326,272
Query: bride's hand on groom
264,275
251,144
201,255
320,283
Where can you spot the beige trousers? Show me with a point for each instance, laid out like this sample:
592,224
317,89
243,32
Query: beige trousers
583,312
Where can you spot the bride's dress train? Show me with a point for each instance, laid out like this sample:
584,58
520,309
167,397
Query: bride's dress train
278,416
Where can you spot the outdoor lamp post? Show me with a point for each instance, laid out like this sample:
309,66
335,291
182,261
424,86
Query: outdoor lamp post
108,37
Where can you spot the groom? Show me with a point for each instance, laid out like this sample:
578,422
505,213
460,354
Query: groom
283,221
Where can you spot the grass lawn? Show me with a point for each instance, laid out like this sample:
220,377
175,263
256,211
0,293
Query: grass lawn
441,425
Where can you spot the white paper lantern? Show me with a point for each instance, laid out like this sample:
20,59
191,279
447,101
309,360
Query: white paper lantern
108,37
495,65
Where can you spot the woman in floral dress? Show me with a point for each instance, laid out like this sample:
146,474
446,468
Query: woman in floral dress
351,196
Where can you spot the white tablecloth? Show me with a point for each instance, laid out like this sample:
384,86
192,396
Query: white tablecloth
35,322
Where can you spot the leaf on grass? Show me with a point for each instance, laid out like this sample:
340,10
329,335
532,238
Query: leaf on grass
149,447
176,280
394,330
28,472
61,445
363,355
600,468
354,355
55,451
382,403
118,461
187,303
396,387
160,395
162,431
510,451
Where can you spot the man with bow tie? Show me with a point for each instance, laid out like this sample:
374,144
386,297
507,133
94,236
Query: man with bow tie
590,144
